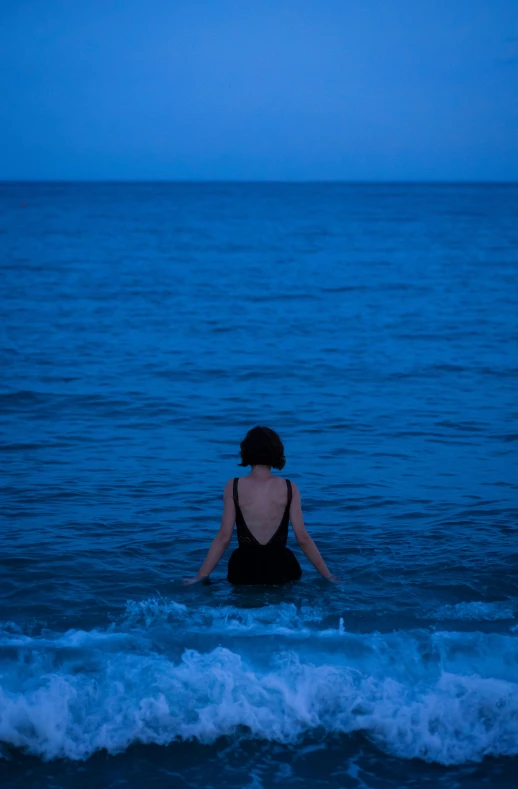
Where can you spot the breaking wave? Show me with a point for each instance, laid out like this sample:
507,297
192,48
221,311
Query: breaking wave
275,674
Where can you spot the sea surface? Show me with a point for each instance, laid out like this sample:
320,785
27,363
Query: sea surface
144,329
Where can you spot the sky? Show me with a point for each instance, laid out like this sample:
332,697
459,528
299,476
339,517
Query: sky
351,90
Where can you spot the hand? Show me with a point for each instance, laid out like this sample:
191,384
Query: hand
197,579
193,580
333,579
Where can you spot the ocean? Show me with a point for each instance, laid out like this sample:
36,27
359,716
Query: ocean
144,329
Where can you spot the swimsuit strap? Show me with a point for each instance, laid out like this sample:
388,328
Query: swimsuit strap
244,535
290,494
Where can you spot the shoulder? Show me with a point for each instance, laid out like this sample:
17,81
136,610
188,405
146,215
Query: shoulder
228,490
294,489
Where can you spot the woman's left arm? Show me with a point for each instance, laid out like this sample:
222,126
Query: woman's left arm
221,540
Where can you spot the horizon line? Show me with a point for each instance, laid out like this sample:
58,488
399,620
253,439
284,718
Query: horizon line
258,181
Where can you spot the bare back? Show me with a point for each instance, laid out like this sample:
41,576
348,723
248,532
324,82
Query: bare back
262,502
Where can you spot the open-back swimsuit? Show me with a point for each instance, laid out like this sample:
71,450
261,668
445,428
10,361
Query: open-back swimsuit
255,563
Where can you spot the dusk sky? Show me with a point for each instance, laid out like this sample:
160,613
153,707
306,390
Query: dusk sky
259,89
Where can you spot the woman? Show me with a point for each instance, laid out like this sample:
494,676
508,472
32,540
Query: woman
261,505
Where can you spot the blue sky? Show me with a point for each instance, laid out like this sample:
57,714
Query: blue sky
259,89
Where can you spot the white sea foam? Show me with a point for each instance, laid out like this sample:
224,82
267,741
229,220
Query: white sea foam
444,697
147,612
278,619
477,611
286,618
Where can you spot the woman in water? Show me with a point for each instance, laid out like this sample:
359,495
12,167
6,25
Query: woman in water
261,505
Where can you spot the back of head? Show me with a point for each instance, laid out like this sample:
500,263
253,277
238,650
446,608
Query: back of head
262,447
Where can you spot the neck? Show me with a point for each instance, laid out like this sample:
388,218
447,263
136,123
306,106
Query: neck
261,471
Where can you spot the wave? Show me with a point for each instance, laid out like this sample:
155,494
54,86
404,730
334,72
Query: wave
478,611
442,697
279,619
287,619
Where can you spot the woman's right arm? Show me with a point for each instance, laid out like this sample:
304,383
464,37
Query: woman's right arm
304,539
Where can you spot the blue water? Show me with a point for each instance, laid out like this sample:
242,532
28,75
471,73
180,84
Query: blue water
144,329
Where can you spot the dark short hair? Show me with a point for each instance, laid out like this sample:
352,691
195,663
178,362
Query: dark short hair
262,447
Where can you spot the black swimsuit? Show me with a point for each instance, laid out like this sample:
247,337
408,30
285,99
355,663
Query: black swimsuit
254,563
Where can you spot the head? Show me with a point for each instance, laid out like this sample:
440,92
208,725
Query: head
262,447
